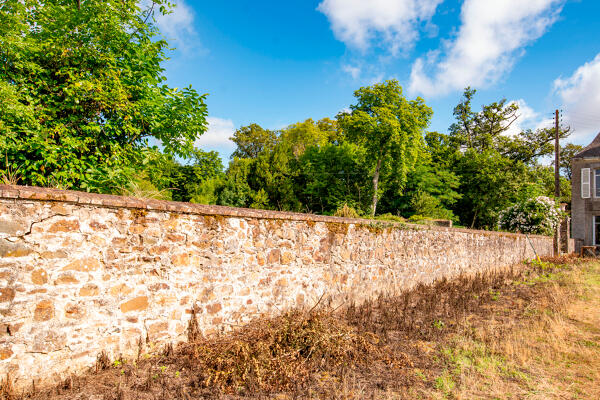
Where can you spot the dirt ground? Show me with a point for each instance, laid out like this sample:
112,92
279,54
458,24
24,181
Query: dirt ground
525,333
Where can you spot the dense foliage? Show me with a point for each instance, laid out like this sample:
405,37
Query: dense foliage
389,128
82,92
378,154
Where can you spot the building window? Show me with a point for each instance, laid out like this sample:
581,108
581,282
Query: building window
585,183
597,182
596,230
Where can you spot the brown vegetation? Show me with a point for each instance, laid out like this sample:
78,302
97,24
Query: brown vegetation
527,333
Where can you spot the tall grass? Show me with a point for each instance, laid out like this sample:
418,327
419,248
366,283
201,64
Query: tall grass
10,175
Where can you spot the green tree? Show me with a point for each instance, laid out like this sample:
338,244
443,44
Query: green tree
495,169
333,175
480,130
566,155
275,172
251,140
234,190
529,145
186,180
486,129
540,182
330,126
489,182
85,90
389,127
310,133
430,191
269,166
425,205
441,149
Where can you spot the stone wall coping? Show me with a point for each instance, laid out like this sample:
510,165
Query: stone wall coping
17,192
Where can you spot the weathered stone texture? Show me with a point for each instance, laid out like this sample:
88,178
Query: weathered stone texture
82,273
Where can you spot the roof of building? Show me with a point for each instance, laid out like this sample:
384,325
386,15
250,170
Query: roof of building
591,150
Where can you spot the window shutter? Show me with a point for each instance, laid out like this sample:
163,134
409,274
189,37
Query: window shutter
585,183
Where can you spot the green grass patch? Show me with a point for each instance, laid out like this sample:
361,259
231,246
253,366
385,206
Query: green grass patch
445,383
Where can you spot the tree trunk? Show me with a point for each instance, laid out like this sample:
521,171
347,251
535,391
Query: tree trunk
375,185
474,217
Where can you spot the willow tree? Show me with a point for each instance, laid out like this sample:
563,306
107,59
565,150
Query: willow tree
84,89
389,127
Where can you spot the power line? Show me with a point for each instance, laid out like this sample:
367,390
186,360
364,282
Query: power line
588,120
584,124
583,114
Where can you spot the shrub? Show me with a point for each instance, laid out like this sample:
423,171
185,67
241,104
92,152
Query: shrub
346,211
420,219
427,206
390,217
539,215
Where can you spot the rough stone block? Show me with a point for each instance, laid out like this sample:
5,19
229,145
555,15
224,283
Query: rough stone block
90,289
5,352
87,264
158,330
74,311
13,226
273,256
64,225
14,249
66,279
180,260
136,304
214,308
39,276
44,311
120,290
48,341
7,294
54,254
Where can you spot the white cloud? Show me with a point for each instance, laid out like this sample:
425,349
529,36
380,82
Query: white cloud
177,27
376,78
217,136
492,36
394,24
363,72
580,96
528,118
353,71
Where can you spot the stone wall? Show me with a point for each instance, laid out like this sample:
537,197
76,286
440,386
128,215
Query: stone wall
82,273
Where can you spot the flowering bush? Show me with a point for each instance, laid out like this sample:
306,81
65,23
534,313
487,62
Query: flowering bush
539,215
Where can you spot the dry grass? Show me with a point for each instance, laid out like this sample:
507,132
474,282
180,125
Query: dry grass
551,351
346,211
531,333
10,175
142,189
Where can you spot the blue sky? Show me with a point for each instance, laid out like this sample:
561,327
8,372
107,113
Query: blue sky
279,62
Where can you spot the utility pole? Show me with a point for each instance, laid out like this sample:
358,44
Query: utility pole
556,180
